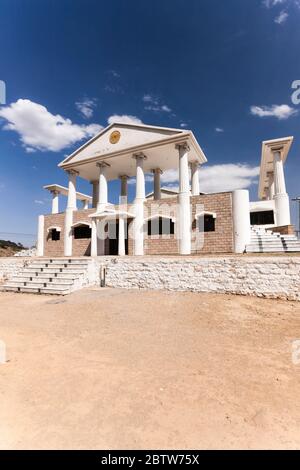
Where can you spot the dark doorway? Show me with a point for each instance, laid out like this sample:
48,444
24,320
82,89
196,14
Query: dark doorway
262,218
111,245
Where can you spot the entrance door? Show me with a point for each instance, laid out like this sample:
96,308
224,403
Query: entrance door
112,241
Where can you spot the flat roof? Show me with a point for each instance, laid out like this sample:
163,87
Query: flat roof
63,190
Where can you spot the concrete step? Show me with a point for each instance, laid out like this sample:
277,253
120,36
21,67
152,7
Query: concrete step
54,270
275,243
49,276
39,285
59,265
35,290
37,280
255,249
24,277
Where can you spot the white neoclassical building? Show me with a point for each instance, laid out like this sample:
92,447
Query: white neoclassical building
188,222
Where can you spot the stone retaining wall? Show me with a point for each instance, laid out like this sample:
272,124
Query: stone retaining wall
11,266
270,277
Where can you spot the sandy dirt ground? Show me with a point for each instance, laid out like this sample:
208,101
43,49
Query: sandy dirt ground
112,369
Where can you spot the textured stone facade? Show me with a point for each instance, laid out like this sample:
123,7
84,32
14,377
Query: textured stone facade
219,241
270,277
11,266
275,277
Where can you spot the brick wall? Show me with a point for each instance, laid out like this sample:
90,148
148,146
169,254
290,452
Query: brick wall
284,229
54,247
220,241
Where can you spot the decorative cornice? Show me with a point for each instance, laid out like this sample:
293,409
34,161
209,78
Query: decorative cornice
72,172
183,146
102,164
138,156
157,170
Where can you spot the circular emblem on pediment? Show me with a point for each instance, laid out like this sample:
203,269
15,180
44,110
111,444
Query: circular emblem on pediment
114,137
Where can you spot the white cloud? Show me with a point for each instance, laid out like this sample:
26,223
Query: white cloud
273,3
281,18
219,129
215,178
124,119
153,103
40,130
86,107
150,99
283,111
37,201
114,73
183,124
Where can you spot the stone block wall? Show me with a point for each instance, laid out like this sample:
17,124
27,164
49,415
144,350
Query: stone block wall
11,266
270,277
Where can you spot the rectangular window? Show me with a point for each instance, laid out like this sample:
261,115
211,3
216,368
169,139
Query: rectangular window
161,226
82,231
262,218
55,235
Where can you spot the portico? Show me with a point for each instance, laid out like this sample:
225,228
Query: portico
128,151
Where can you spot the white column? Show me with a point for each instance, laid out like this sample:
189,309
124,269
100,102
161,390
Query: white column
195,179
184,219
124,186
122,220
72,200
71,206
282,203
103,190
157,189
94,241
241,219
55,208
85,204
271,185
138,226
40,238
121,239
95,193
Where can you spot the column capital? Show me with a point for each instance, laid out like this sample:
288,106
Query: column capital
277,150
139,156
123,177
72,172
157,170
194,164
102,164
183,146
54,192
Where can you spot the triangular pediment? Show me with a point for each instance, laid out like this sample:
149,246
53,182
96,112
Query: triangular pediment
118,137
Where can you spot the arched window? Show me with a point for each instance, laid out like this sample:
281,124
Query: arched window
206,221
161,226
82,230
54,233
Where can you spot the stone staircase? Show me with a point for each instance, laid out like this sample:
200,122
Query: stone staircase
58,276
265,241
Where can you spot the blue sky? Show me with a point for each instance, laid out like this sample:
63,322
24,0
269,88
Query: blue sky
222,69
